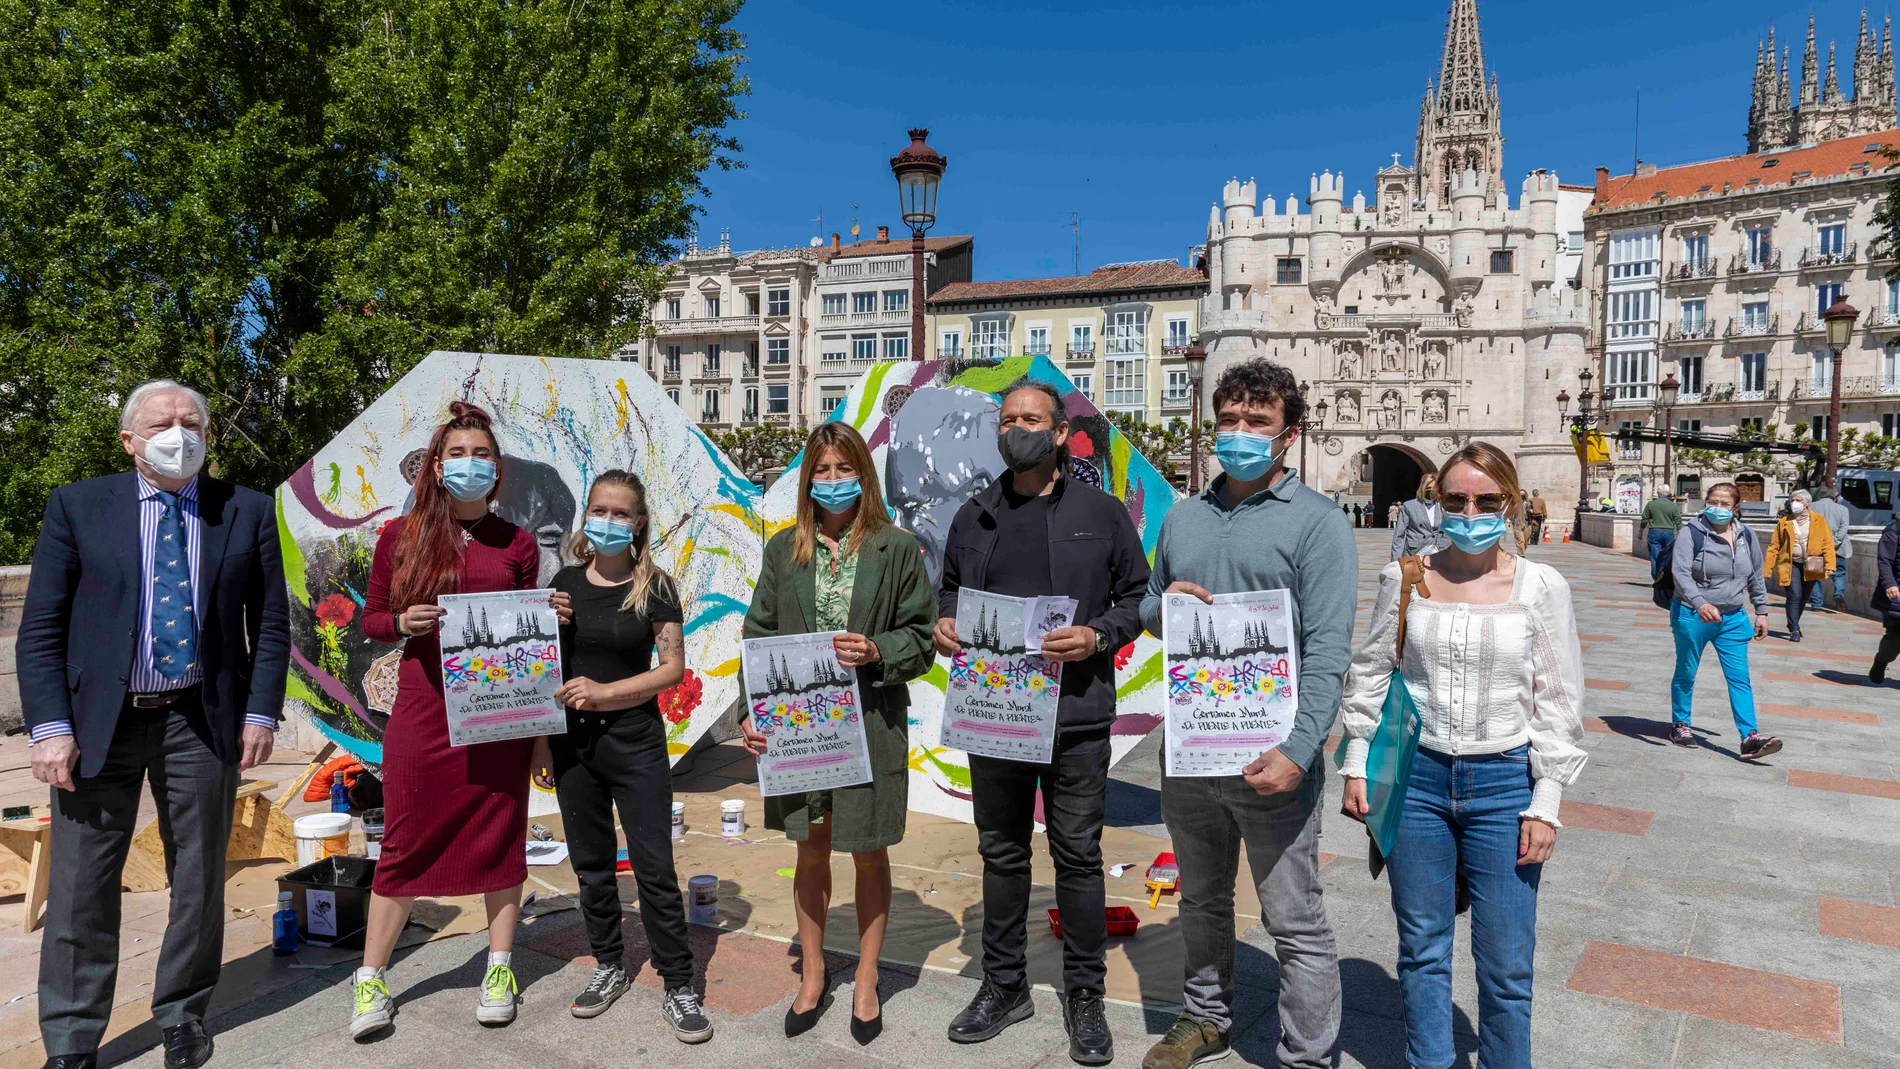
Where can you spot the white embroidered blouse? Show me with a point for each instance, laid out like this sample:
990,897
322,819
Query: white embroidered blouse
1485,678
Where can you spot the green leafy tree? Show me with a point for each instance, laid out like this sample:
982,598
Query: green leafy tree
286,203
760,450
1161,442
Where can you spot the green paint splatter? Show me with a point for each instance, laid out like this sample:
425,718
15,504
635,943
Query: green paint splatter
937,677
1150,673
293,556
994,379
958,776
873,387
1118,454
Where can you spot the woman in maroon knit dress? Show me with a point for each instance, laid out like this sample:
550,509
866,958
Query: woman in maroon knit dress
455,816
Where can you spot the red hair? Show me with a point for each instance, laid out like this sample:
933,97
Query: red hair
429,547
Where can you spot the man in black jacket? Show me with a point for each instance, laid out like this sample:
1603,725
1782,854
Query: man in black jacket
1033,533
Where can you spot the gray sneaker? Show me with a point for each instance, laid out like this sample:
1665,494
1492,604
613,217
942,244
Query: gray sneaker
684,1013
1188,1043
608,983
374,1010
499,991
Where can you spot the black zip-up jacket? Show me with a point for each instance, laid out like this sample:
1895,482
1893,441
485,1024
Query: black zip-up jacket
1095,557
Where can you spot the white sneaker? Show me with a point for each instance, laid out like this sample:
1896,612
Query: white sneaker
497,1004
374,1010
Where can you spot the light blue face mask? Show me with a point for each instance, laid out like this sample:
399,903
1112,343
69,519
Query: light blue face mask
1243,454
468,478
836,495
1717,516
1474,534
607,536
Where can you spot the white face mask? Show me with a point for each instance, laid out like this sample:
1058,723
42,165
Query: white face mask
1797,507
174,452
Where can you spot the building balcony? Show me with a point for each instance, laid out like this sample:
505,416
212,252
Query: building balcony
1746,327
1036,350
950,352
708,326
749,417
751,370
898,318
1755,265
778,418
864,268
1176,400
1235,321
852,364
1852,386
671,374
1729,393
1689,332
1883,319
1424,320
709,371
1080,354
1692,270
1813,258
1175,350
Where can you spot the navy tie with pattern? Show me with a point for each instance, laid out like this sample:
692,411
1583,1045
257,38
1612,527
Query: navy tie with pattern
174,630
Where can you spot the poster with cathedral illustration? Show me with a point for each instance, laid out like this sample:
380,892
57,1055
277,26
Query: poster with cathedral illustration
810,711
1002,696
501,664
1233,677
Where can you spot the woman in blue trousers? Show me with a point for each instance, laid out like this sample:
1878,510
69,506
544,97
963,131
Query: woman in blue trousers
1718,572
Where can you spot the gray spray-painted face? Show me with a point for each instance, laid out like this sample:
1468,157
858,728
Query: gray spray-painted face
943,450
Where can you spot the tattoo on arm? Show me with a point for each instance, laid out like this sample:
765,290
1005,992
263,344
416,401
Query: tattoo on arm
669,644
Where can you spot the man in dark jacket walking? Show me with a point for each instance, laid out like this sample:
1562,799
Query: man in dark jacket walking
1887,599
1036,532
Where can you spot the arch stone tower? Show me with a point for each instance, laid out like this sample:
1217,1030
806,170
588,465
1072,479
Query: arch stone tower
1427,315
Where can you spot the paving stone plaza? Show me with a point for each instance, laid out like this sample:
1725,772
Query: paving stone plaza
1699,911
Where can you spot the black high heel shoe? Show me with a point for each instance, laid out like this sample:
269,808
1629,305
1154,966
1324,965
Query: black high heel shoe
797,1024
865,1031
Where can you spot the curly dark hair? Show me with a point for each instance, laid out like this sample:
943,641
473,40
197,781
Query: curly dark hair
1058,412
1261,381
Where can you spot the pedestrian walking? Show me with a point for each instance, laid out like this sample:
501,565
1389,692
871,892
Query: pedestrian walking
1392,514
1416,530
1661,519
1037,532
454,816
843,567
1498,743
1358,515
153,644
1886,600
1537,513
1259,528
621,649
1717,568
1827,505
1800,553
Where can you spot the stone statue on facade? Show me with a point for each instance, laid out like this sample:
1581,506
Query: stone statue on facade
1434,366
1348,362
1388,414
1392,353
1392,275
1435,404
1348,405
1462,309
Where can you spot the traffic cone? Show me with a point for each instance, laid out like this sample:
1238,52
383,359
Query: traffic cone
1566,536
1546,538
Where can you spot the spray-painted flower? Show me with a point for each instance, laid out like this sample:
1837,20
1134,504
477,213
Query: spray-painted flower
1123,656
337,610
677,704
537,668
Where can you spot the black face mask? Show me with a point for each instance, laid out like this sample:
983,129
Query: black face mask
1025,450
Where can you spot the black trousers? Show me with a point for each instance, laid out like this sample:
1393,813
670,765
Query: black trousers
1074,786
1889,649
620,760
92,831
1798,586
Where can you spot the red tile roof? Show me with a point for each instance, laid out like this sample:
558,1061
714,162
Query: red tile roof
1828,159
874,247
1110,279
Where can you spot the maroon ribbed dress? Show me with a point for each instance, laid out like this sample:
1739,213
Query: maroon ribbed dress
455,817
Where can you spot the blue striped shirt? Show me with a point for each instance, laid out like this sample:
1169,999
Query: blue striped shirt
144,677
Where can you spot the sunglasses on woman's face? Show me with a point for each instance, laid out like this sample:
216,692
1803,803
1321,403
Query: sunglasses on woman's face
1486,502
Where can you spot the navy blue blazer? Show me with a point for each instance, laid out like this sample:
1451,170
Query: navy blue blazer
80,622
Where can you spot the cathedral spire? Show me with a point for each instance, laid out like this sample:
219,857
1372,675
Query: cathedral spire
1810,69
1461,81
1831,88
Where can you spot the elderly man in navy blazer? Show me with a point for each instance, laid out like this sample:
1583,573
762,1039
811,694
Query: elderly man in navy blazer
152,647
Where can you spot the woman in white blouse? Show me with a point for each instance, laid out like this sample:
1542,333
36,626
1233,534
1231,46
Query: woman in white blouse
1492,662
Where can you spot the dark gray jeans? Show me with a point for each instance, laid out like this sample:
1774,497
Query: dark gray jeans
92,831
1208,818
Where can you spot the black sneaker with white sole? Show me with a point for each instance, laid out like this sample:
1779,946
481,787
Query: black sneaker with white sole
688,1018
1759,745
608,983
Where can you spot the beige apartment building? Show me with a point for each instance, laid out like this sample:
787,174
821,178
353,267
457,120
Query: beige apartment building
775,336
1121,333
1718,272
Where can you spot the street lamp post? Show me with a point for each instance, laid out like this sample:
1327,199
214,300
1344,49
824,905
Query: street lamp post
919,169
1196,367
1303,434
1320,411
1840,318
1580,425
1668,391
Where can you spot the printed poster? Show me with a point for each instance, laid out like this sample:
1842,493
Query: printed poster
1232,670
501,664
810,711
1001,700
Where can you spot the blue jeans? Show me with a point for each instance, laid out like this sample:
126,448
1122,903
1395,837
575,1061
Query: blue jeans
1462,811
1840,588
1662,544
1731,636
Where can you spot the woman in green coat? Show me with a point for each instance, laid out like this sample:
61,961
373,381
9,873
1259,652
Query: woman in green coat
843,567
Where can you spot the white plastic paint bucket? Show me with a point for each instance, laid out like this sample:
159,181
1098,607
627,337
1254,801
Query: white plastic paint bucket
732,818
321,835
679,820
702,900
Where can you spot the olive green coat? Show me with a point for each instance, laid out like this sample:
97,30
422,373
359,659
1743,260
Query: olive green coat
893,604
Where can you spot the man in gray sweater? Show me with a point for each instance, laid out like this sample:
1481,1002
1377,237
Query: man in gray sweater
1259,528
1827,505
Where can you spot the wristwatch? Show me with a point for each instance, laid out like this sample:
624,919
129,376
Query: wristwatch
1101,640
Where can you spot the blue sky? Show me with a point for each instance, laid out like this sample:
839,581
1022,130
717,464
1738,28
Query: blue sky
1132,114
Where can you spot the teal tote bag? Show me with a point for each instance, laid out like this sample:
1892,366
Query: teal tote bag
1394,745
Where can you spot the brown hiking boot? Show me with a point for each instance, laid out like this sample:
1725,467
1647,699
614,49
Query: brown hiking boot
1188,1043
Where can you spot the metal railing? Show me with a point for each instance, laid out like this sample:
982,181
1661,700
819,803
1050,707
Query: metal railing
1425,320
1687,332
1745,264
1682,270
1882,318
1746,326
1080,352
1813,257
778,417
1810,389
